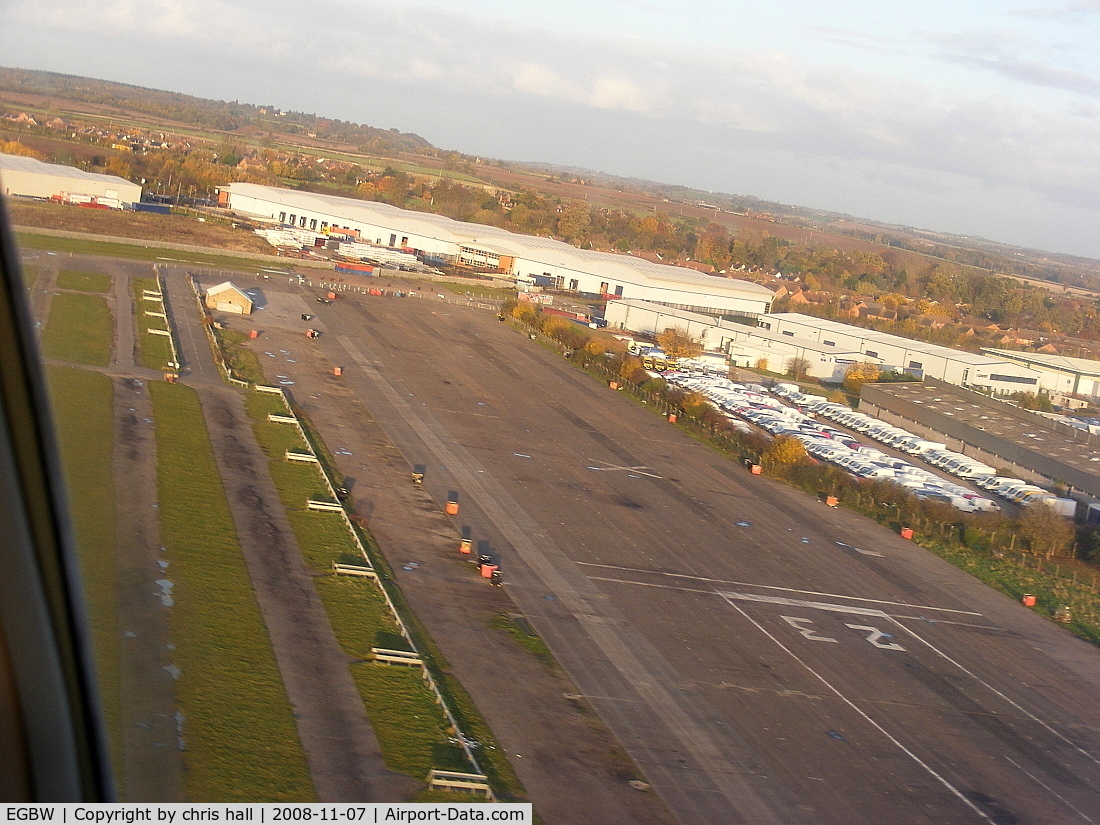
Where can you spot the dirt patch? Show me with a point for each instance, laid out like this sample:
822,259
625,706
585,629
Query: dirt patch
140,225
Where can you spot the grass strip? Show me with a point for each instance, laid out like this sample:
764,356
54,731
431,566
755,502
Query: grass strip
83,281
84,420
152,252
242,362
154,351
411,729
239,731
79,329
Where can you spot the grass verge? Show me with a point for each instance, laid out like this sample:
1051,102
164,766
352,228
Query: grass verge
152,252
79,330
241,740
154,351
83,415
412,731
1051,590
242,362
83,281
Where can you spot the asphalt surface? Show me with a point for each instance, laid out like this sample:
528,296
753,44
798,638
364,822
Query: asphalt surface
762,658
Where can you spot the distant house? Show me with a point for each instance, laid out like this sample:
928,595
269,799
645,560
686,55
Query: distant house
798,297
225,297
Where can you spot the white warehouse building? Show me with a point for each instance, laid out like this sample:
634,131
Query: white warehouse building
529,260
1058,373
827,348
1000,376
27,177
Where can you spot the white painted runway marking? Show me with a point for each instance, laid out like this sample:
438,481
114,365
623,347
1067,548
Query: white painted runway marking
932,771
729,582
641,470
836,608
996,692
1046,787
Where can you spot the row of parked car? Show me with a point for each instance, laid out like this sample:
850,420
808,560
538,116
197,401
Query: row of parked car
784,410
931,452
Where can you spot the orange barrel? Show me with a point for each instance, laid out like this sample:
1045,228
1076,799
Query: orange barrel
331,296
465,546
487,570
754,469
672,418
337,371
614,385
253,333
452,508
1028,600
906,532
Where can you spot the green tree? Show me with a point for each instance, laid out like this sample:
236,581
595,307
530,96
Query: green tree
575,222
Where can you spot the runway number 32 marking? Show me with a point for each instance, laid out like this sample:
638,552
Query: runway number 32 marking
875,636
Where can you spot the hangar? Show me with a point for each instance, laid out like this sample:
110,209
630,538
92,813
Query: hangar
225,297
27,177
531,261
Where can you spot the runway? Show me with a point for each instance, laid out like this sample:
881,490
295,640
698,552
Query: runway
763,658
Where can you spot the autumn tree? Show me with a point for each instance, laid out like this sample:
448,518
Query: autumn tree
783,452
525,312
676,343
575,222
1047,533
859,374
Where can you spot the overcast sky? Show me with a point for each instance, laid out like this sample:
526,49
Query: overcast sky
969,116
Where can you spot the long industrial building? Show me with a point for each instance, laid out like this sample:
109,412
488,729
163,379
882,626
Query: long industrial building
827,349
527,259
27,177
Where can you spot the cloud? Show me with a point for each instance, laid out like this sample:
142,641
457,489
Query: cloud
178,22
1002,53
664,100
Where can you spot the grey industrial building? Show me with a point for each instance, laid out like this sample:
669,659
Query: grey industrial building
998,433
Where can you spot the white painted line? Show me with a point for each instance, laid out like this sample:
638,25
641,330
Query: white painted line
941,779
835,608
771,587
926,620
640,470
1051,790
998,693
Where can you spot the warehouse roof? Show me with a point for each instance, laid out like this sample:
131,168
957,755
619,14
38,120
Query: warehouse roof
18,163
1061,363
541,250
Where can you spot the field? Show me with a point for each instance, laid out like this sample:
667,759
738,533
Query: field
83,281
79,330
230,691
410,728
146,226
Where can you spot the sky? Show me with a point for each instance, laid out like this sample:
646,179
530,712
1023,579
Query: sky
975,117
